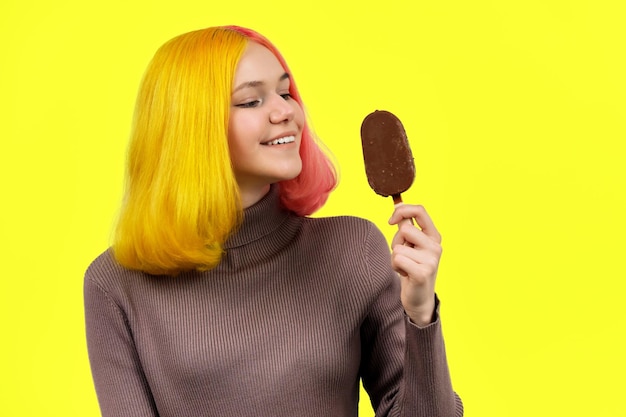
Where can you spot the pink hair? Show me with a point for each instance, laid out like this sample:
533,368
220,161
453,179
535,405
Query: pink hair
306,193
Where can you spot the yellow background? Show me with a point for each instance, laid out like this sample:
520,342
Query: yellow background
516,115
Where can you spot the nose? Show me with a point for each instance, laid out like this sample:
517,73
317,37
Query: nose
280,109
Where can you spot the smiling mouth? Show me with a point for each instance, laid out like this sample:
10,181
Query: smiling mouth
280,141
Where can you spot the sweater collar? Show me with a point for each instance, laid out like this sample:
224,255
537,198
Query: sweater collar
260,219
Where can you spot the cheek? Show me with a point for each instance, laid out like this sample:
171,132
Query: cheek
298,113
232,122
237,128
244,124
234,137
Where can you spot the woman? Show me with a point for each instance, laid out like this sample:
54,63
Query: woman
219,297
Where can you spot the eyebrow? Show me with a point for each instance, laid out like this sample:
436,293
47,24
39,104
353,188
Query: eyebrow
247,84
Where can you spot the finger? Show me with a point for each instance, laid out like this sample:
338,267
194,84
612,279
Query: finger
404,228
422,257
421,217
420,273
416,237
403,211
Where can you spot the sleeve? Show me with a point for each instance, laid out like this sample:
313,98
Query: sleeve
119,380
403,367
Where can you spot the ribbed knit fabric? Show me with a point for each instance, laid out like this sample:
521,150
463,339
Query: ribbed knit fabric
297,311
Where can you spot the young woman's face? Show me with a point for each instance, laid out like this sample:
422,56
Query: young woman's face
265,125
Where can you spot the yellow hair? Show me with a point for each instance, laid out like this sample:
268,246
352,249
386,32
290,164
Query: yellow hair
181,200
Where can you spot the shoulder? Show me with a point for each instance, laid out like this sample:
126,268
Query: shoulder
346,227
354,241
101,267
107,274
353,232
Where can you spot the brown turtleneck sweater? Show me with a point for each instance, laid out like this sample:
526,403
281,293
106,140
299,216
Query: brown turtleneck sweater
297,311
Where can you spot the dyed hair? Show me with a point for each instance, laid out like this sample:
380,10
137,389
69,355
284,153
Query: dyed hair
182,200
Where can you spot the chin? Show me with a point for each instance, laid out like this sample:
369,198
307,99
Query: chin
290,171
295,172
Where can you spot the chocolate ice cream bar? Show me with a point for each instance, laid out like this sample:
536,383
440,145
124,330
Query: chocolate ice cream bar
389,164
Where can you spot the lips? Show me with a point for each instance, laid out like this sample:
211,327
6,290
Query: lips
281,140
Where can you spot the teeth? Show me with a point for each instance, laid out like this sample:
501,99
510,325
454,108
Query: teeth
286,139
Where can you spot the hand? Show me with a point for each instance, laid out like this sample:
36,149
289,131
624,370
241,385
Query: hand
415,256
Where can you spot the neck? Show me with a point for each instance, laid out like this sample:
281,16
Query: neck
251,196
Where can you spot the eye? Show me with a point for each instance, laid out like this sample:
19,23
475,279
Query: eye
286,96
249,104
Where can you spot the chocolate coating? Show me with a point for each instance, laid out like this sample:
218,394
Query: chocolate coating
389,164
